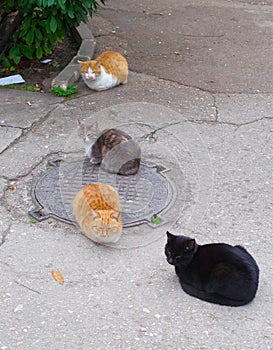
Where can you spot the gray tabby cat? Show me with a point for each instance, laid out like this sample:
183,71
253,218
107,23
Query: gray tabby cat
113,149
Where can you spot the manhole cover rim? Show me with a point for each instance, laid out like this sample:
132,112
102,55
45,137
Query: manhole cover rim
40,212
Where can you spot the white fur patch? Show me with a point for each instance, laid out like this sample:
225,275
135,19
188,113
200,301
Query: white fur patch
103,82
90,75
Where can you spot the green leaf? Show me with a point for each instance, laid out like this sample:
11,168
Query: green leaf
6,62
26,25
156,220
53,24
15,54
38,36
30,37
26,51
39,52
61,3
50,2
70,11
47,50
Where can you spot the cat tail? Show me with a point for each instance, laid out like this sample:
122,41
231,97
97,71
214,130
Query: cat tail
212,297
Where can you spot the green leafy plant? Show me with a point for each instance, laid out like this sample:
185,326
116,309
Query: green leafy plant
30,28
156,220
59,91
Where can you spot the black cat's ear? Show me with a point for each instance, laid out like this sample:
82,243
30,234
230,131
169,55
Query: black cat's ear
190,245
169,236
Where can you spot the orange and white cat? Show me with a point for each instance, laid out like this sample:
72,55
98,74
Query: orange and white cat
106,71
96,208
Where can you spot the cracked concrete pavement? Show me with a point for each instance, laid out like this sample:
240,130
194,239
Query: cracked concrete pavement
199,101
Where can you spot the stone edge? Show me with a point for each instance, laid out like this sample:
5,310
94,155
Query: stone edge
71,73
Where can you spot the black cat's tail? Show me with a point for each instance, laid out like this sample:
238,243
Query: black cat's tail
212,297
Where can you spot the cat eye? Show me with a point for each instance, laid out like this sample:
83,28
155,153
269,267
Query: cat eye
188,249
115,216
190,246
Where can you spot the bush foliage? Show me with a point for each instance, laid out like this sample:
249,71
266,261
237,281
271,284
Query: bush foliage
30,28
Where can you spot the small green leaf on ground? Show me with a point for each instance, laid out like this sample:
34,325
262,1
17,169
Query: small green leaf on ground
156,220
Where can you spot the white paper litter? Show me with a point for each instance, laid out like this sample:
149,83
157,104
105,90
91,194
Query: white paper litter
12,79
47,60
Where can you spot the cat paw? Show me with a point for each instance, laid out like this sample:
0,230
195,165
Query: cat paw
94,161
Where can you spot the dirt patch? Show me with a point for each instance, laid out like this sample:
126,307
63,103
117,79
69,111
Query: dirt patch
40,75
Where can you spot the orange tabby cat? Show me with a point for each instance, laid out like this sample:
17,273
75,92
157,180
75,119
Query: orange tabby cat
97,210
106,71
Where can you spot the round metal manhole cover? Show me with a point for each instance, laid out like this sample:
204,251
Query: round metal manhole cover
143,197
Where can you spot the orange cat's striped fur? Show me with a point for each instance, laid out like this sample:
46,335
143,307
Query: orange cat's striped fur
97,210
106,71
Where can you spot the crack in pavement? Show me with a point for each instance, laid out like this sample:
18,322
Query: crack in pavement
12,126
252,121
151,136
4,235
32,168
58,154
27,130
214,104
237,125
25,286
177,82
13,142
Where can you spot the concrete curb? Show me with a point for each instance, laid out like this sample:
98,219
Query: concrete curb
71,73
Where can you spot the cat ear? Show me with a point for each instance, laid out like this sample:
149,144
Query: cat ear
99,64
80,62
169,236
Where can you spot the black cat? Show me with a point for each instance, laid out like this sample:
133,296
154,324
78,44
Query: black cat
218,273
